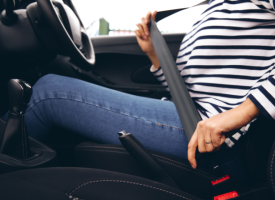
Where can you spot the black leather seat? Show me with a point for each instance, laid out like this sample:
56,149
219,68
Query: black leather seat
83,184
256,148
116,158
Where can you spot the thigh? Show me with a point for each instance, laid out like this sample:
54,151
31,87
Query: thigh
100,113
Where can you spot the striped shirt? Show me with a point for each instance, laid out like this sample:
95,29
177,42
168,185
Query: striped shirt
228,56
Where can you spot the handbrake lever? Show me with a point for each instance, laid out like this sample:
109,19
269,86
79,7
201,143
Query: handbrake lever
138,151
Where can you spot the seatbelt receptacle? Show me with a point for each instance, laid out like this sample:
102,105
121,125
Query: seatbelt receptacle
223,186
227,196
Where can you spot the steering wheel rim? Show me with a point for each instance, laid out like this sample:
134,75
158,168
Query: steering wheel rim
50,14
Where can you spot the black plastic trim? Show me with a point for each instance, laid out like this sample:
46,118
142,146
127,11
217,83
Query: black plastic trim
128,44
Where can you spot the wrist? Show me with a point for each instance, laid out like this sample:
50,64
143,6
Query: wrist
249,110
154,59
153,68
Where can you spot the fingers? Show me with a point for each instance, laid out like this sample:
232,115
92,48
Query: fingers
218,139
201,143
141,32
222,139
192,147
208,142
201,137
210,137
138,34
147,17
154,15
217,146
144,31
145,27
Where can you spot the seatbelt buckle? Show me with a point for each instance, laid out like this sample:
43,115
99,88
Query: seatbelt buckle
222,185
227,196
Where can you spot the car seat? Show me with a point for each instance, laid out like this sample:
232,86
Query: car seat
257,153
83,184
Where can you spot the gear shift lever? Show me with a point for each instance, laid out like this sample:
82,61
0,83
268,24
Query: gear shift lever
15,141
20,93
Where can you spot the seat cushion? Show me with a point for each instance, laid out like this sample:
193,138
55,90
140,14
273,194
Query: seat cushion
116,158
84,184
256,146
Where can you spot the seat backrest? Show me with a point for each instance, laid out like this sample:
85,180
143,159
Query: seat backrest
256,147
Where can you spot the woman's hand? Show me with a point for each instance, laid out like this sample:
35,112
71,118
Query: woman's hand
144,39
210,133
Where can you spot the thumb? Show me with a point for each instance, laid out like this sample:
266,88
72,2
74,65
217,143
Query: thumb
154,15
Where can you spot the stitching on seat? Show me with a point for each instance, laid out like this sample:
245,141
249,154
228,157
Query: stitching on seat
272,161
204,173
109,151
23,144
25,135
152,154
186,169
128,182
181,164
103,147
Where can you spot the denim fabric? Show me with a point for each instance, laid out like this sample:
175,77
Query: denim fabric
99,113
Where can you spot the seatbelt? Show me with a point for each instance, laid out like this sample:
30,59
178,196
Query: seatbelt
186,108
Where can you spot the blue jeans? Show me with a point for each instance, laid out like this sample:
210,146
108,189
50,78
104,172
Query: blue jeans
99,113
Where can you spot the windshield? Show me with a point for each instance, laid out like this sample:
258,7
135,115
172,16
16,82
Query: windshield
108,17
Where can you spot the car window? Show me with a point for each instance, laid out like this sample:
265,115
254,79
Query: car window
182,21
119,17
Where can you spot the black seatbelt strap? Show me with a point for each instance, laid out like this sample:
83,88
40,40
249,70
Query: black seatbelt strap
186,108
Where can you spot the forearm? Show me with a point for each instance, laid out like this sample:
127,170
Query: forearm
154,59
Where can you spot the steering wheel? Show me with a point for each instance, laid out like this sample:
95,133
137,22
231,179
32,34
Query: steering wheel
68,30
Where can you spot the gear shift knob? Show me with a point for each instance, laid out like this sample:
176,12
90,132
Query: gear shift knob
15,140
20,93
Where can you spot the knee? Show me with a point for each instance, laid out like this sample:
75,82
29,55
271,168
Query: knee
46,81
45,87
49,84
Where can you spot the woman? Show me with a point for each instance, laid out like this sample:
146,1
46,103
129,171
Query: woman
227,63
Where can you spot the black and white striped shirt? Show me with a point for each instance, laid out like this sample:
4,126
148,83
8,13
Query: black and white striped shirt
228,56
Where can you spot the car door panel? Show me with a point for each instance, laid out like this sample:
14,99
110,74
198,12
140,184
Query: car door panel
128,44
121,65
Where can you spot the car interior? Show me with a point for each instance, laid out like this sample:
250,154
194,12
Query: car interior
47,37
